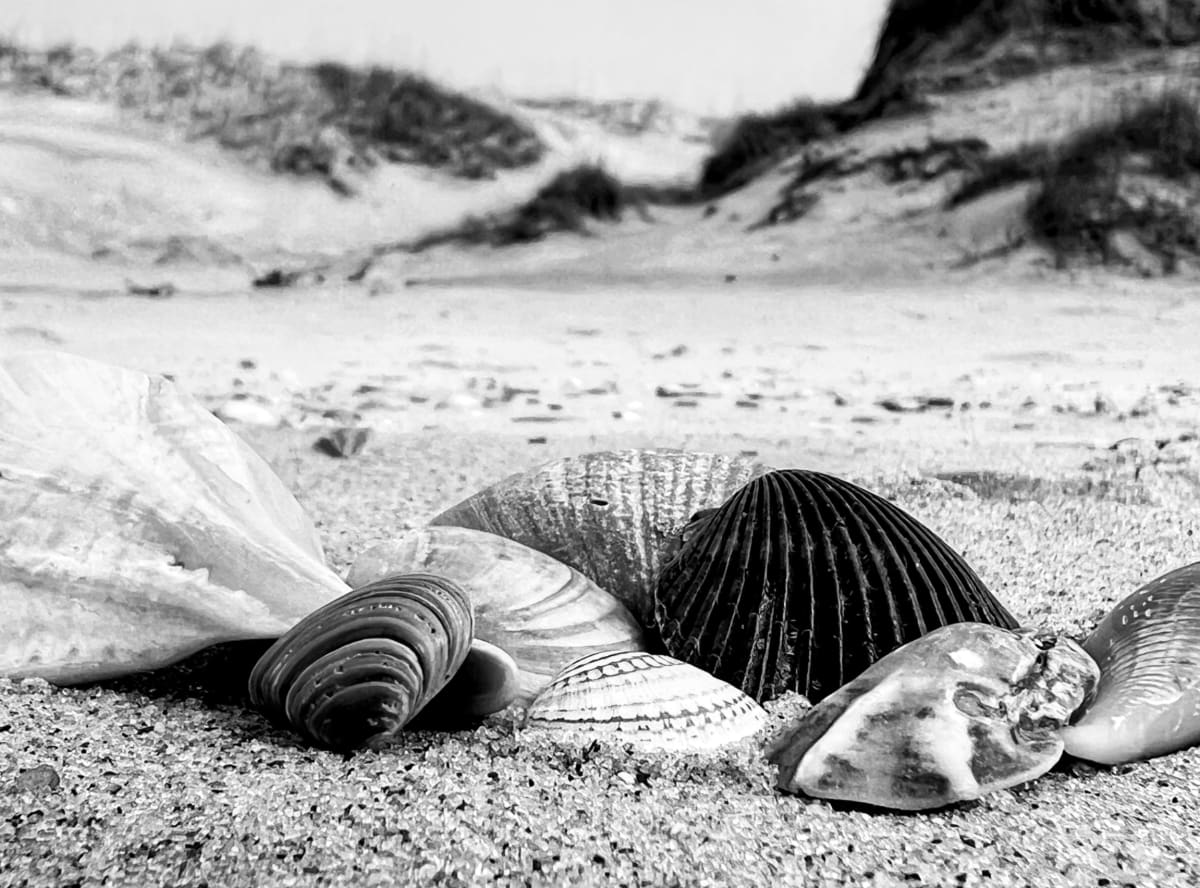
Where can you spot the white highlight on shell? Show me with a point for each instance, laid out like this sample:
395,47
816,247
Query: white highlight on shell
967,659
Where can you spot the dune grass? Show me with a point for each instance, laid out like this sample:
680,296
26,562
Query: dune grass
564,204
933,45
412,119
755,141
325,120
1137,174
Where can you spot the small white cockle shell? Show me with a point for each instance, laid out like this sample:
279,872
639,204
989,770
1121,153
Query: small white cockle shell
652,701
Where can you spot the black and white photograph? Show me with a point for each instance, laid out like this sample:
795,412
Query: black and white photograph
594,442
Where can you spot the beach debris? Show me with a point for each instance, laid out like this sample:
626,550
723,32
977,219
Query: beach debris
1148,701
249,411
916,403
138,528
801,580
965,710
611,515
343,442
38,779
684,390
354,672
155,291
650,701
541,612
289,277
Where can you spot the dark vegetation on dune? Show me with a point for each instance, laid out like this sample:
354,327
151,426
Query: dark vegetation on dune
1120,189
564,204
325,120
1124,190
928,46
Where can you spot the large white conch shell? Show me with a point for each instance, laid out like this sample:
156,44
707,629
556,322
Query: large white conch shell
135,528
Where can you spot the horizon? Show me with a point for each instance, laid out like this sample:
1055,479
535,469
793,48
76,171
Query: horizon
700,55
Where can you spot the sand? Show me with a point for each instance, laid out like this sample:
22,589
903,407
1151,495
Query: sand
1044,423
171,779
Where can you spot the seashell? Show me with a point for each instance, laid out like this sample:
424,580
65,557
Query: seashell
488,681
649,700
541,612
343,443
138,529
356,671
1148,701
611,515
802,580
967,709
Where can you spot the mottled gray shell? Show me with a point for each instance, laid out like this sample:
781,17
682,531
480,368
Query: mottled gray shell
801,580
1148,701
965,710
613,515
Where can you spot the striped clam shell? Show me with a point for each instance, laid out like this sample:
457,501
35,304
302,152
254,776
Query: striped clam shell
652,701
541,612
801,580
355,671
1148,701
965,710
611,515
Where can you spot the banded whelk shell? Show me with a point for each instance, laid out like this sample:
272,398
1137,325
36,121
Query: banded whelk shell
651,701
137,528
802,580
963,711
611,515
539,611
356,671
1148,701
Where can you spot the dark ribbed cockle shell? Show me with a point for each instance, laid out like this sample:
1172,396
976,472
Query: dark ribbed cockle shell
802,580
354,672
1148,648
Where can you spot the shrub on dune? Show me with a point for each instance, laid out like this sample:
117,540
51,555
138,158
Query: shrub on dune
1124,186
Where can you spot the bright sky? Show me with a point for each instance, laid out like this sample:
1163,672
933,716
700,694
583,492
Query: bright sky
709,55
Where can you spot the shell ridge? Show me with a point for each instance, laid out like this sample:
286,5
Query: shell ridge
854,539
910,556
826,592
691,569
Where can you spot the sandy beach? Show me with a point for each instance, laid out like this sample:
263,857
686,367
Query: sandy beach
170,778
839,311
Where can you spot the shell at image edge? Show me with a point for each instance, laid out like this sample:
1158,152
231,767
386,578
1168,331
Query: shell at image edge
1148,700
138,528
652,701
801,580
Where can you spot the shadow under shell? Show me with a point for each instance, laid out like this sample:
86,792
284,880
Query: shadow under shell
801,580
